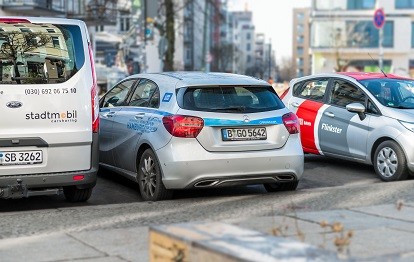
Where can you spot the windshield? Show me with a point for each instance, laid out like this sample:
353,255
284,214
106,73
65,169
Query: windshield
395,93
39,53
230,99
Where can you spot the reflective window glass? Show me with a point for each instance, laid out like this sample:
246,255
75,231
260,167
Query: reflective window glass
118,94
360,4
404,4
313,89
143,94
345,93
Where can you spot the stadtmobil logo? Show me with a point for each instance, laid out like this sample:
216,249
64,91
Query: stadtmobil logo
54,117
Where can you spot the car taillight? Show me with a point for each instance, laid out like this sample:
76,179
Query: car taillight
94,95
183,126
291,122
13,20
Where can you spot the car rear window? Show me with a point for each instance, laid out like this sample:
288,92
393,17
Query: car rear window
39,53
229,99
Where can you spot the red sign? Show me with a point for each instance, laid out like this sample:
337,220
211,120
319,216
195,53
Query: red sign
379,18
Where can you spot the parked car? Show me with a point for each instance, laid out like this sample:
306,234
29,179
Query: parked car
49,109
183,130
363,117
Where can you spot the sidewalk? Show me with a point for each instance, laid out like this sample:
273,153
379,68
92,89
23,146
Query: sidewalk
379,233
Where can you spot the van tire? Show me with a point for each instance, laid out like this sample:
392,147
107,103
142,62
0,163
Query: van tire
74,194
149,178
285,186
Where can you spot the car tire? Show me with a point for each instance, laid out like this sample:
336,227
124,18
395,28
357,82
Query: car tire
390,163
74,194
150,178
284,186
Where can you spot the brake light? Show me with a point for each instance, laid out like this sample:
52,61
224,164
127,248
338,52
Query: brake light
13,20
94,95
291,122
183,126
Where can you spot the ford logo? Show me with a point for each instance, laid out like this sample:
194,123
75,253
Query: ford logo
14,104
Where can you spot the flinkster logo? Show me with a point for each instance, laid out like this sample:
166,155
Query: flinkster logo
54,117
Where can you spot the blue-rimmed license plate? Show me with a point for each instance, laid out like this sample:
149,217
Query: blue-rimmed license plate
241,134
21,157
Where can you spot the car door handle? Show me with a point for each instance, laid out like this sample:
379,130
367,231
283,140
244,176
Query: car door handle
294,104
330,114
139,115
110,114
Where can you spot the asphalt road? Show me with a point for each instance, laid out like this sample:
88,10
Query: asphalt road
114,222
116,203
320,172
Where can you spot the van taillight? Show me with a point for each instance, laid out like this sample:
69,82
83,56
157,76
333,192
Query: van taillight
183,126
291,122
94,95
13,20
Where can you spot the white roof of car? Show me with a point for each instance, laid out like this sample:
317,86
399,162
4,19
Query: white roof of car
202,79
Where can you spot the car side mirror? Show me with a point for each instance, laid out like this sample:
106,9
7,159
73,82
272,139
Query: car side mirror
357,108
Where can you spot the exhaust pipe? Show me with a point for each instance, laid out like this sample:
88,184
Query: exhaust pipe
285,177
206,183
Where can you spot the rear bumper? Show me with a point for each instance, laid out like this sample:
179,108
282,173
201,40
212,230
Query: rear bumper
43,184
25,185
186,163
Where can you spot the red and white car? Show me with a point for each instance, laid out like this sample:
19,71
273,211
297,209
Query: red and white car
364,117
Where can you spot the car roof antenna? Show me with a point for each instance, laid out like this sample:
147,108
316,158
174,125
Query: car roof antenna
382,71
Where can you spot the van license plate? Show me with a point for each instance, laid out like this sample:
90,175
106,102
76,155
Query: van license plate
241,134
21,157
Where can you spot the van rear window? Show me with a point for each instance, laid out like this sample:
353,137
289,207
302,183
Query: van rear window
229,99
39,53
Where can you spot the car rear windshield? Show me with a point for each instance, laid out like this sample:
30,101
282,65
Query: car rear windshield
39,53
229,99
397,93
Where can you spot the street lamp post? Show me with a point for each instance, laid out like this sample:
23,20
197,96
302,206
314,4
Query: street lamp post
270,57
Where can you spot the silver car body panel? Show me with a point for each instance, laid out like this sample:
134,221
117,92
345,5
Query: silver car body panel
339,133
186,160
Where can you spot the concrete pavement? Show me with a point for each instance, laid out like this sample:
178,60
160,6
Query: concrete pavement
374,233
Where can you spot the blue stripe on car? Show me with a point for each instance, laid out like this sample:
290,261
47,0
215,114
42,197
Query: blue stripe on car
211,121
228,122
144,110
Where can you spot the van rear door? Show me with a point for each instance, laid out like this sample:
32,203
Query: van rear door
46,96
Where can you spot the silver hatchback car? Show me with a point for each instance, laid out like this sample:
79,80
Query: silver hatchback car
183,130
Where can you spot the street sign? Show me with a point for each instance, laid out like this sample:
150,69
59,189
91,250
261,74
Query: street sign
379,18
209,58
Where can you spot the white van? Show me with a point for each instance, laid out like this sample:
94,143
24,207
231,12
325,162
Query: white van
48,109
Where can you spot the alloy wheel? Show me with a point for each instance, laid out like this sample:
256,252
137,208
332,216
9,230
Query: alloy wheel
149,178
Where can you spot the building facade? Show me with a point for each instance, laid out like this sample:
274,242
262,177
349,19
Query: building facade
244,40
125,35
301,58
264,58
344,37
194,13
